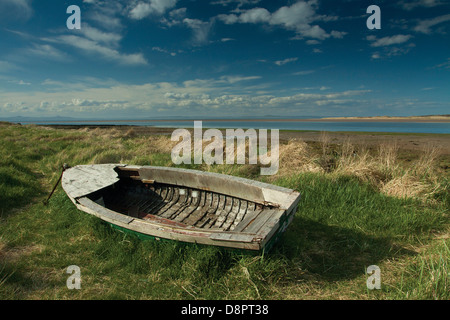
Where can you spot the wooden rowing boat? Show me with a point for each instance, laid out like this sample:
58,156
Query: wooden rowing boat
183,205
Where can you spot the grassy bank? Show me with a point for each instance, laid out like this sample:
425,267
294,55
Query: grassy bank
359,207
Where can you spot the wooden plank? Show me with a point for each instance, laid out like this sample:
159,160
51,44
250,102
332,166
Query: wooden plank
152,200
248,218
179,204
213,215
161,201
202,209
221,199
104,212
163,221
166,203
261,220
223,213
208,219
220,183
240,215
232,215
232,237
83,180
271,226
173,200
182,206
141,201
195,196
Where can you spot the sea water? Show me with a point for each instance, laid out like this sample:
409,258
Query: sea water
398,127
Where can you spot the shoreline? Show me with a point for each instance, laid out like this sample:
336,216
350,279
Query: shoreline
431,119
244,120
407,141
154,129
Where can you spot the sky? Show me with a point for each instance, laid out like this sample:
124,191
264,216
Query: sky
145,59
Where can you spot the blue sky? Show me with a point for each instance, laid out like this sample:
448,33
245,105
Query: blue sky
223,58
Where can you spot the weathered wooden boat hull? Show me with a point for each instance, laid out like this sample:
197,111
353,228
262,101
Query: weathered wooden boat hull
183,205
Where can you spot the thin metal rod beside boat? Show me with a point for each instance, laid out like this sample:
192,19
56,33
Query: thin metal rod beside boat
183,205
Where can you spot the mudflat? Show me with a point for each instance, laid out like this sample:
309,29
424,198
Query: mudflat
407,141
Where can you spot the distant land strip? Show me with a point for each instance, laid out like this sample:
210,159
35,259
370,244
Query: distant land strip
435,118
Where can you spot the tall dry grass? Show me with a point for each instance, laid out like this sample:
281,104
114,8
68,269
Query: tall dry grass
296,157
385,172
380,168
421,180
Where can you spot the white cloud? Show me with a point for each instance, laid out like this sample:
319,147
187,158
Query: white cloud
178,13
240,3
110,38
47,51
376,56
410,5
388,41
174,18
299,17
234,79
17,9
303,73
105,14
444,65
6,66
143,9
106,20
255,15
173,54
283,62
224,95
390,46
312,42
20,82
338,34
95,48
90,41
200,30
425,26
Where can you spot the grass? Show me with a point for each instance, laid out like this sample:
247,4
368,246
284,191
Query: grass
353,213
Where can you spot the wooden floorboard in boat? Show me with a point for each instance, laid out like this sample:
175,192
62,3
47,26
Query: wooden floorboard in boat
167,203
223,213
232,215
210,213
177,206
257,224
201,211
192,207
194,204
183,207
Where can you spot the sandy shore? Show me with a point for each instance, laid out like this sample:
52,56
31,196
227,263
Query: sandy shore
443,118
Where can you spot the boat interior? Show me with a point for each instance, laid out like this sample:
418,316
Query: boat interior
177,205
